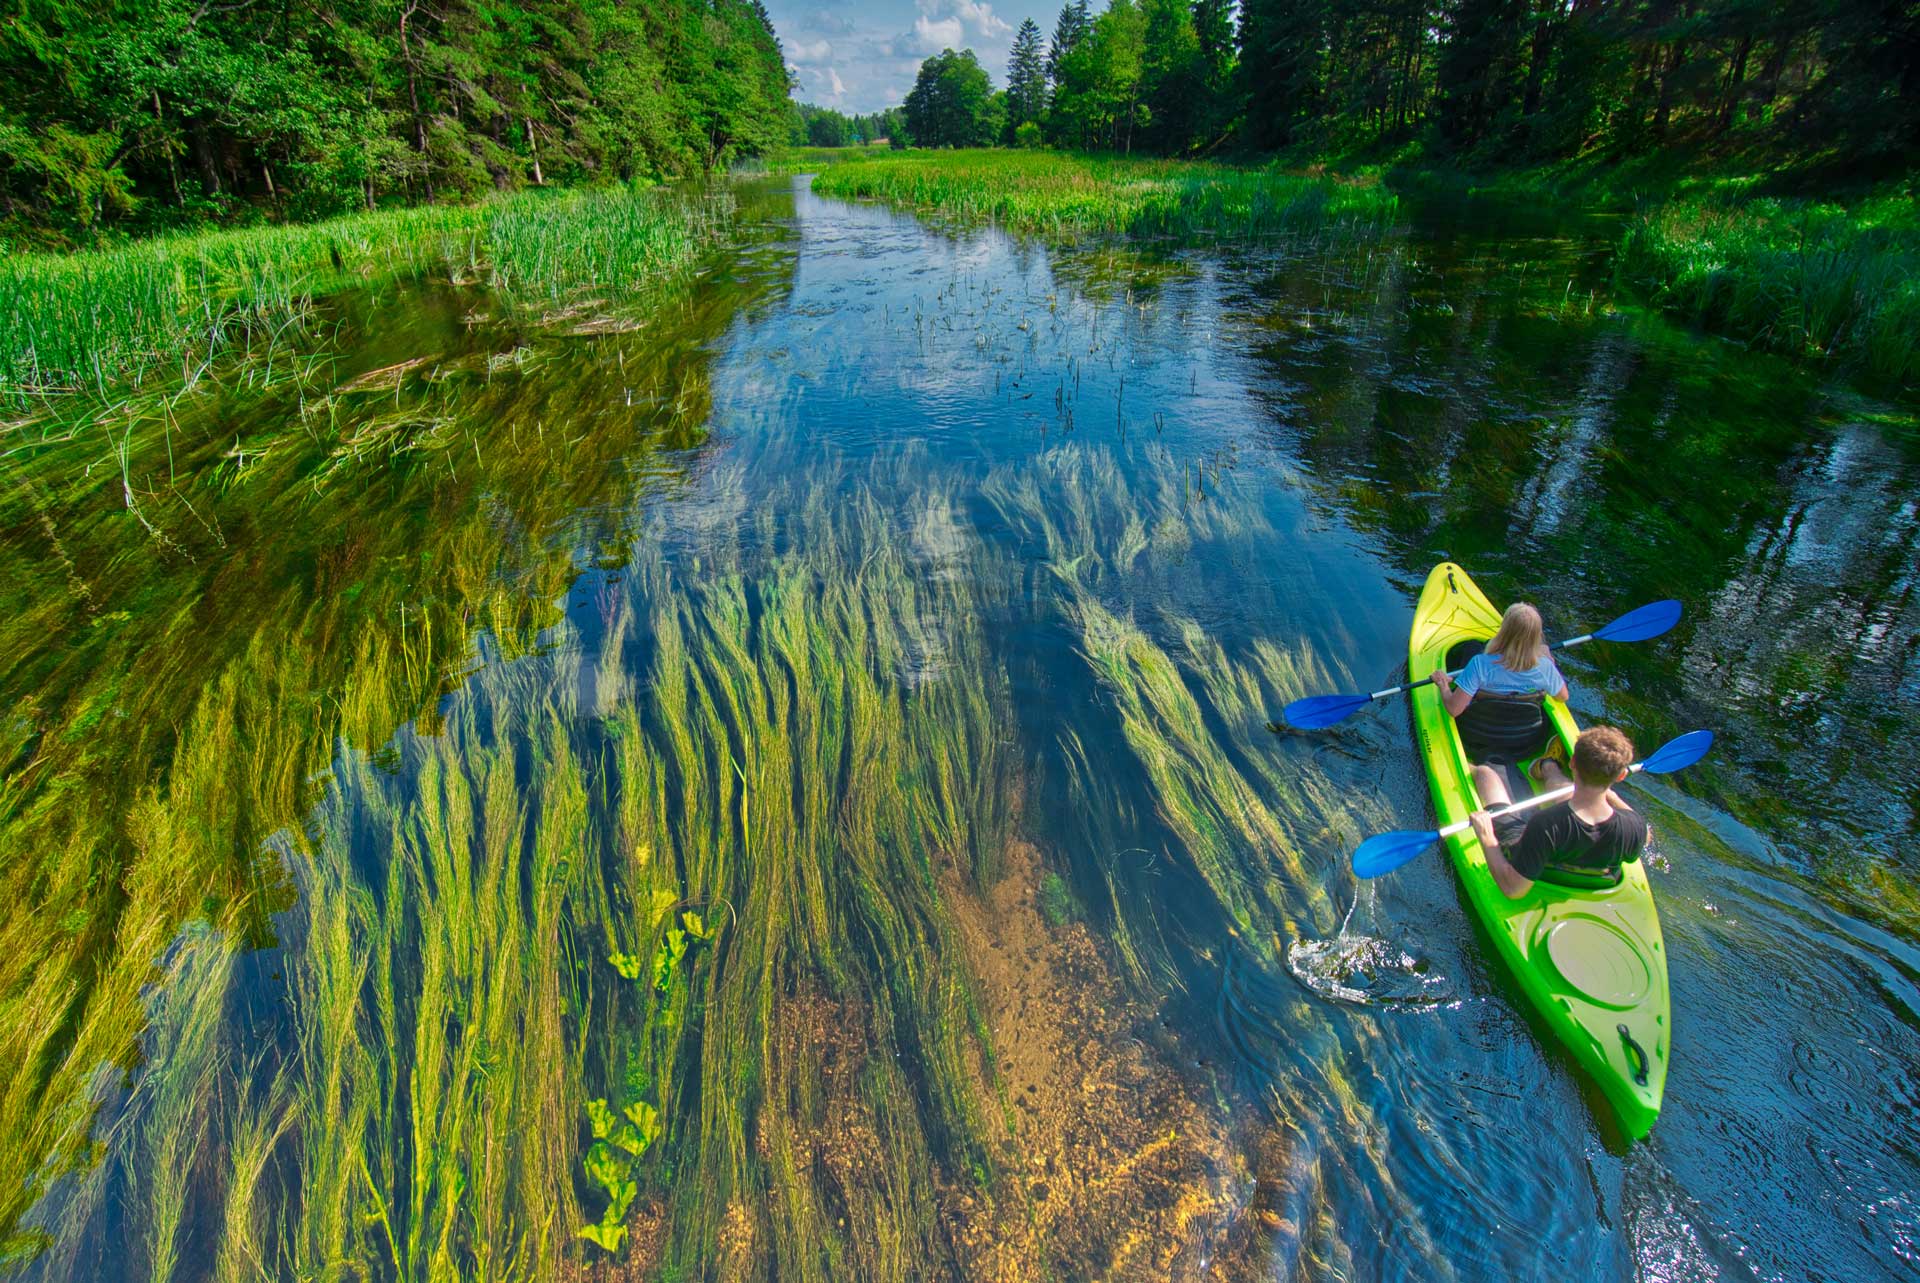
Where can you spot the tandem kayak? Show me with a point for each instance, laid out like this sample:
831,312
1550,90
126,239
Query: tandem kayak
1591,961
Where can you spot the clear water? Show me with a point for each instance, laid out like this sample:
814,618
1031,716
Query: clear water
917,624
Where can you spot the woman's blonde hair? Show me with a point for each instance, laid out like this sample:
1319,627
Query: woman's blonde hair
1521,642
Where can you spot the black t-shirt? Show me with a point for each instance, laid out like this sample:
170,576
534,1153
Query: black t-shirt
1558,837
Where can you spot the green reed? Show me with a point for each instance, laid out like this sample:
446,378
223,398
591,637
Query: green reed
156,308
1067,196
804,160
1793,276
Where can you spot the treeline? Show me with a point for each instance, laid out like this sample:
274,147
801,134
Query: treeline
1512,80
144,114
824,127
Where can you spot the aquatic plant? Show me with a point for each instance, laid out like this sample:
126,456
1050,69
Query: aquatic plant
155,309
1057,904
153,757
1067,196
1794,276
1188,739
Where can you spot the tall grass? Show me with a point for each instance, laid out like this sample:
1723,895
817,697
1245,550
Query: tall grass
801,160
1068,196
153,308
1797,277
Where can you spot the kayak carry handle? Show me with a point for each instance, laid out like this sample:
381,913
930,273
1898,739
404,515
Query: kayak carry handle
1636,1056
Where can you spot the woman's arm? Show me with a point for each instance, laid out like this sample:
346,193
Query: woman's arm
1452,699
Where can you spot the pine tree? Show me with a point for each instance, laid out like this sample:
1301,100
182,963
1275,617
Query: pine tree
1068,31
1213,28
1282,44
1477,76
1026,77
1170,75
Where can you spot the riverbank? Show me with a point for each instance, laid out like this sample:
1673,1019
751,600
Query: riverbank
1826,281
99,320
1066,196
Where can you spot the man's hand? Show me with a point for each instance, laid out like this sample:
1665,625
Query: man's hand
1483,829
1442,682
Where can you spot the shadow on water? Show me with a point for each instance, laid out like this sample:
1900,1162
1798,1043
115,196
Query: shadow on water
776,784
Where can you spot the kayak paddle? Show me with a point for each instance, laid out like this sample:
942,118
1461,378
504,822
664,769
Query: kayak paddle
1316,712
1385,852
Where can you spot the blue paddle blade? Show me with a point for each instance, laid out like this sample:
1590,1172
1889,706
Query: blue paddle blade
1316,711
1385,852
1638,625
1681,750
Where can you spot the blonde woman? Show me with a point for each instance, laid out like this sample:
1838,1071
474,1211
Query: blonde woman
1496,699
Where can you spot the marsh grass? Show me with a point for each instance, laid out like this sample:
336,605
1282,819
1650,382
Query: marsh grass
155,309
1066,197
1796,277
805,160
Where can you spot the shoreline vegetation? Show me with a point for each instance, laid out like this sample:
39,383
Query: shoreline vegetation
1069,196
1826,281
103,320
1812,279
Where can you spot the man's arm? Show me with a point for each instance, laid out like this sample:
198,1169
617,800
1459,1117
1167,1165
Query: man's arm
1510,880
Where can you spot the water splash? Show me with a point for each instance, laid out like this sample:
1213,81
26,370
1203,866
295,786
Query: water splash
1364,970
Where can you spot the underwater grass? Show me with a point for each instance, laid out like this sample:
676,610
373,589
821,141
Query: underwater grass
775,749
1067,196
1237,820
775,707
156,308
682,859
191,631
1799,277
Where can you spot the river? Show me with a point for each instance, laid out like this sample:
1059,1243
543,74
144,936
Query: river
792,768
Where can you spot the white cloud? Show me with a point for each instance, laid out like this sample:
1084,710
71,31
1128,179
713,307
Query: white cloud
931,36
978,18
875,50
827,21
823,87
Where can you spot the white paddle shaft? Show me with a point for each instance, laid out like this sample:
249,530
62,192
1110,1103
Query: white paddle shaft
1538,799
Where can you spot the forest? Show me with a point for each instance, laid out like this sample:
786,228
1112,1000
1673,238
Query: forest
146,115
160,114
1505,82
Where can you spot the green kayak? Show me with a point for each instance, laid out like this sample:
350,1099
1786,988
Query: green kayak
1590,961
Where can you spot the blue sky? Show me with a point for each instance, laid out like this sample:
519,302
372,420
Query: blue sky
861,55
